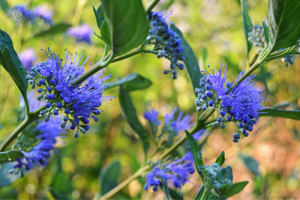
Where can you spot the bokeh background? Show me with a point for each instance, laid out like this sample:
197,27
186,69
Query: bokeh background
214,30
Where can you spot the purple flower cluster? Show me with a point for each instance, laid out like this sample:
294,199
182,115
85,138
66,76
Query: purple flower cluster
22,13
241,105
27,58
79,102
47,134
81,33
166,42
175,173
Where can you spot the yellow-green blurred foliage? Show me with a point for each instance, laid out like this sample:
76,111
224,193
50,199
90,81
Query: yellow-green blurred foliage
214,25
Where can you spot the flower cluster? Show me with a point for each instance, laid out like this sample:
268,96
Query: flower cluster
39,154
240,105
79,102
166,42
257,38
175,173
22,13
27,58
81,33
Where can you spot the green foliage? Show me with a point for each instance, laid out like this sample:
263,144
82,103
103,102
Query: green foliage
266,30
283,23
191,62
229,190
127,25
57,195
247,24
271,112
221,159
165,187
99,15
56,29
12,64
4,5
109,176
10,156
250,163
225,173
129,114
131,82
210,195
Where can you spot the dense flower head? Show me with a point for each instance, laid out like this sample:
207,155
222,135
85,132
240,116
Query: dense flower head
44,13
257,38
22,13
166,42
28,58
175,173
81,33
78,102
241,105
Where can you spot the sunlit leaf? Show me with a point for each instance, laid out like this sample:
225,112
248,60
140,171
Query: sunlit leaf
131,82
271,112
109,176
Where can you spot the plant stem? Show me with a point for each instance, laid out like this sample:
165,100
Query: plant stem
14,134
151,6
125,183
205,193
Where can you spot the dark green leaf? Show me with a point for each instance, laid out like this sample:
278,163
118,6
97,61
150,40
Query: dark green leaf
229,190
221,159
283,23
109,176
191,62
99,16
204,53
132,82
165,187
210,195
127,23
59,178
129,113
56,29
250,163
10,156
271,112
57,195
266,31
225,173
247,24
4,5
5,177
196,154
12,64
174,195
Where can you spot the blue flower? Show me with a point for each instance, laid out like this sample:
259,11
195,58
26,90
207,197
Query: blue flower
175,173
166,42
21,13
78,102
27,58
241,105
82,33
180,123
44,13
151,114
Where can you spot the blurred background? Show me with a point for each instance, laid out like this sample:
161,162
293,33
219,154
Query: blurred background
213,28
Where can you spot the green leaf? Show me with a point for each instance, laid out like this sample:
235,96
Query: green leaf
10,156
175,195
271,112
165,187
283,23
127,24
196,154
250,163
210,195
99,16
12,64
229,190
4,5
225,173
56,29
247,24
221,159
132,82
129,113
57,195
191,62
109,176
5,177
266,31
